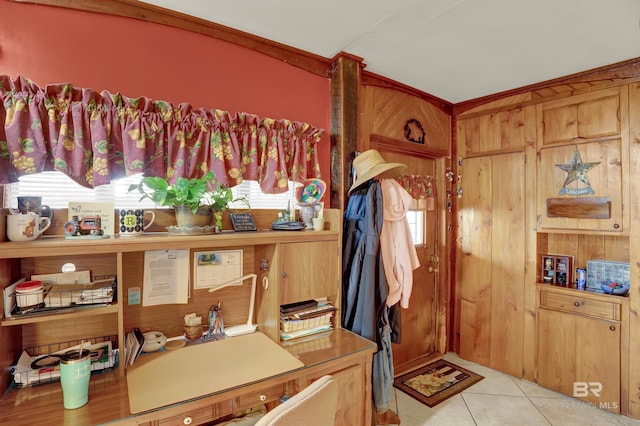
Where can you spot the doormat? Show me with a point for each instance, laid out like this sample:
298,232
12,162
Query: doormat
436,382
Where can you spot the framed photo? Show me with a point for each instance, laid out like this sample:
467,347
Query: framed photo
556,269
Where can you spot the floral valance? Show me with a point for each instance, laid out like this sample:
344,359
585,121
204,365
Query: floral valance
421,189
96,137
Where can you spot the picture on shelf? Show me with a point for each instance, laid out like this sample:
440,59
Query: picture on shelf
556,269
561,278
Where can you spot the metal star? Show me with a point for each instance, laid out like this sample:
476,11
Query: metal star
577,170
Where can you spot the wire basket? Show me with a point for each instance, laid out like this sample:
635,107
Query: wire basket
60,297
40,364
290,325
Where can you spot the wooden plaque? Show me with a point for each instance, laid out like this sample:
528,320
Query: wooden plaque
579,208
243,222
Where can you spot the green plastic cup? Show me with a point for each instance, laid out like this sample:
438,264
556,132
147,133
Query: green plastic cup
75,372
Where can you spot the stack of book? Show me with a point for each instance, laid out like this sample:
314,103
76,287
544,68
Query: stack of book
133,346
305,318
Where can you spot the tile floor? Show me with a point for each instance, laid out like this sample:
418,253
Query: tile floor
500,399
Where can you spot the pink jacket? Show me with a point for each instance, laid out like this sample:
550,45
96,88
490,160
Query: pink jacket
399,256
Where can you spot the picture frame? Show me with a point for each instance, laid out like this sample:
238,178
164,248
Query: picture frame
243,222
556,269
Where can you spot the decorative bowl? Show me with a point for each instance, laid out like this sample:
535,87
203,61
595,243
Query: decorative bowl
614,288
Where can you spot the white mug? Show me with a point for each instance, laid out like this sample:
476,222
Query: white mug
26,227
318,223
131,222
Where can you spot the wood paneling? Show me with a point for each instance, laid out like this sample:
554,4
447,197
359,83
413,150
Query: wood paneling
611,75
345,99
580,336
475,261
385,113
499,131
507,266
590,115
605,180
584,247
233,300
634,248
372,79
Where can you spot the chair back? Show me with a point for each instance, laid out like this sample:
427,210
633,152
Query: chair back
314,405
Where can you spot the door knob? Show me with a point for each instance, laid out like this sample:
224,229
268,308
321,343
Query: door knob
432,269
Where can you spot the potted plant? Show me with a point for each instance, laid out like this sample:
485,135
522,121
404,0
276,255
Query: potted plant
195,200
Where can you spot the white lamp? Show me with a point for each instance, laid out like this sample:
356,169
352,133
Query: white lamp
249,327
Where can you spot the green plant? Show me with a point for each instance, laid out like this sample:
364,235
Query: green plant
193,192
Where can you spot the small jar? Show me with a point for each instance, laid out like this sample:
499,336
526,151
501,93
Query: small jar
192,332
29,294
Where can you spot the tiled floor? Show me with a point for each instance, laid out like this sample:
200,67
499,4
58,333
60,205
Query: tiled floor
500,399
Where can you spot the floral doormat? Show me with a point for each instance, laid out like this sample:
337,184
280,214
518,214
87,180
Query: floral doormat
436,382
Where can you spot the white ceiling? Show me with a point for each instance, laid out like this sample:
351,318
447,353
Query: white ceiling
456,50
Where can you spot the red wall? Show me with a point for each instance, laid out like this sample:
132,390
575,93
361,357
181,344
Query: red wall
136,58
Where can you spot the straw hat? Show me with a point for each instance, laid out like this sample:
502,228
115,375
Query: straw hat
370,164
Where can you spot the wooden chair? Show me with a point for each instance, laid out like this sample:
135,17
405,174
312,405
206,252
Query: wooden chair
315,405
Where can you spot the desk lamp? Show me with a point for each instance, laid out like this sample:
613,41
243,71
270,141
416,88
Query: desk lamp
249,327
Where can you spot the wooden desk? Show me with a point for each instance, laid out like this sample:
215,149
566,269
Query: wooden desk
340,353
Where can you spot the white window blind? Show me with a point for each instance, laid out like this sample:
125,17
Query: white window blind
57,189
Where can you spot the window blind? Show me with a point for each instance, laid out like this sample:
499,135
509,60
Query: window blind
57,189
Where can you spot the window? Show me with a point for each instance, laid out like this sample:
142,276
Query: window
416,226
57,189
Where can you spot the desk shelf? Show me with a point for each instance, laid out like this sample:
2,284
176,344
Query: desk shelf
62,314
283,259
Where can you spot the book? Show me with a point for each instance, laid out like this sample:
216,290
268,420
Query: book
298,306
133,345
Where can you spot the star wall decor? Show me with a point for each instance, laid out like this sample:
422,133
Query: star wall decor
577,171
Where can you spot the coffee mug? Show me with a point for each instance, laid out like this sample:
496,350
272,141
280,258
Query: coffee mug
34,204
131,222
318,223
26,227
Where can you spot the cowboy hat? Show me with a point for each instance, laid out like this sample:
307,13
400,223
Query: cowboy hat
370,164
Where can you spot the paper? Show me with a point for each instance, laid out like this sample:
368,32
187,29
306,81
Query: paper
96,292
102,357
214,268
9,295
79,277
166,277
105,211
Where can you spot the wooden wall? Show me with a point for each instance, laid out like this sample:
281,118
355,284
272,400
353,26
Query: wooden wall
488,128
384,112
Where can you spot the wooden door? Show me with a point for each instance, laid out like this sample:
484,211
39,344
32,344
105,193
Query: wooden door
419,321
598,361
309,271
474,277
580,356
556,350
590,115
491,262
